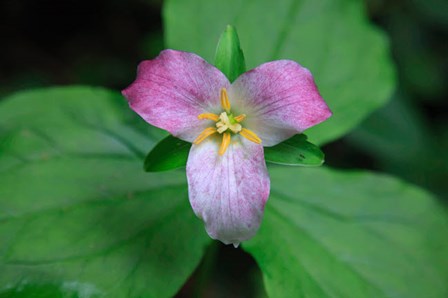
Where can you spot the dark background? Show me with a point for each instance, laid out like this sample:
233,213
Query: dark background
100,42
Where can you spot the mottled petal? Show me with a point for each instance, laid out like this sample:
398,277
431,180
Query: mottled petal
173,89
228,192
280,99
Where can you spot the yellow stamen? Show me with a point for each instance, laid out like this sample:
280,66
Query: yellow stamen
225,143
226,124
240,118
250,135
209,116
225,103
204,134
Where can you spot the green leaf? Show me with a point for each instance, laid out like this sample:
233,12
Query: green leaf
348,57
229,57
333,234
78,215
296,151
170,153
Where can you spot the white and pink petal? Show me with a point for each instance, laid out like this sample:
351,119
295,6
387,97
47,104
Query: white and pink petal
171,90
280,99
228,192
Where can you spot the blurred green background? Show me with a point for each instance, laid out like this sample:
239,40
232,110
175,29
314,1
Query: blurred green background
49,42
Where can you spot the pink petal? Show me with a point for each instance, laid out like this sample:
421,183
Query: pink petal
173,89
280,99
228,192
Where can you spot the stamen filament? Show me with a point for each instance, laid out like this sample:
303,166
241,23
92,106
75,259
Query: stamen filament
250,135
225,103
225,143
240,118
209,116
204,134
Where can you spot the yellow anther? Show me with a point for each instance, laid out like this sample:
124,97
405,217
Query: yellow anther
204,134
225,143
240,118
250,135
225,103
209,116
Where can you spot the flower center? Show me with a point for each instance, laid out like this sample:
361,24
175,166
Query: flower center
226,124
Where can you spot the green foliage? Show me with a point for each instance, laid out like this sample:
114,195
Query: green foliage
332,234
348,56
296,151
170,153
78,215
229,57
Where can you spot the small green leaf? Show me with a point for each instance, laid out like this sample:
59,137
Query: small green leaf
229,57
296,151
169,154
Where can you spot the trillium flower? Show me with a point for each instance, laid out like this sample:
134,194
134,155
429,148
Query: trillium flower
228,125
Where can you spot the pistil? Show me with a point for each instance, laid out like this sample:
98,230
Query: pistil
226,125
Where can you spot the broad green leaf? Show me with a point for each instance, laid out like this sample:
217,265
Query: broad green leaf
296,151
348,57
78,215
334,234
170,153
229,57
